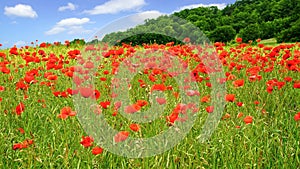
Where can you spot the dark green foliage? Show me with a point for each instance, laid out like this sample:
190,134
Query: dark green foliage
222,34
251,32
250,19
148,38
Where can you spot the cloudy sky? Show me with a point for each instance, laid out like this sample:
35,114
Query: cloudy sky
25,21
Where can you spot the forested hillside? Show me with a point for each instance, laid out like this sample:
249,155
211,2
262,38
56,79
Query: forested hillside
249,19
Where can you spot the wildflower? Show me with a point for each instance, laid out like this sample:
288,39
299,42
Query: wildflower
248,119
134,127
121,136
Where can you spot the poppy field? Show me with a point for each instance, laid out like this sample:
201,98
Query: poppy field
42,128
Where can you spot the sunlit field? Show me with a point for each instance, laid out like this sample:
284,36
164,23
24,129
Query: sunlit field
259,127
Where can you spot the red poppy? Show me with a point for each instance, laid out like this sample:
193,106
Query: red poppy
141,103
226,116
297,116
132,108
230,97
256,102
159,87
105,104
161,101
205,99
87,141
269,89
297,85
97,150
2,88
29,78
96,94
248,119
21,130
239,40
238,83
209,109
86,91
65,112
121,136
288,79
134,127
240,115
192,93
22,145
20,108
52,77
240,104
172,118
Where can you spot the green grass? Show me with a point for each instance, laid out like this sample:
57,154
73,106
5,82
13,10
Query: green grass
270,141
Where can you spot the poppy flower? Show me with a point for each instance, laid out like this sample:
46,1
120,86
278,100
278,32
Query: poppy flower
240,115
23,145
96,95
134,127
269,89
226,116
29,79
114,113
105,104
121,136
248,119
288,79
238,83
2,88
192,93
159,87
209,109
239,40
86,141
230,97
86,91
20,108
161,101
172,118
132,109
117,105
65,112
297,116
72,91
256,102
52,77
205,99
21,130
240,104
97,150
297,85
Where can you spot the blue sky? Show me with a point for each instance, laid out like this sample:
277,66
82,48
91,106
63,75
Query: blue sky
25,21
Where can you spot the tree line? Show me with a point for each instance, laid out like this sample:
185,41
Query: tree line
249,19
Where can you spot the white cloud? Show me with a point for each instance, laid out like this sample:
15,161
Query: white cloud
20,10
78,30
20,43
142,16
115,6
219,6
73,21
69,6
72,25
55,30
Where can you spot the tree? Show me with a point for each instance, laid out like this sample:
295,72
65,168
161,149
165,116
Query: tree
222,34
251,32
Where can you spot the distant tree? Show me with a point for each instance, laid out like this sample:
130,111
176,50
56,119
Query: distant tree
251,32
222,34
291,34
